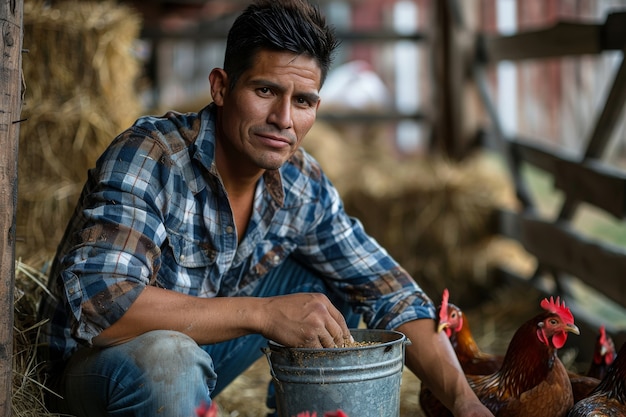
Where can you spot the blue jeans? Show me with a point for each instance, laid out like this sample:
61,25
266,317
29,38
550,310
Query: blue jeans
165,373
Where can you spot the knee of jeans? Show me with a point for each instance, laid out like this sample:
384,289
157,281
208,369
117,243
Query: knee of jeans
170,349
166,356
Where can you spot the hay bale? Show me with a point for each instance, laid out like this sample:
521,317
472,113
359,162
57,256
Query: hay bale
79,48
80,76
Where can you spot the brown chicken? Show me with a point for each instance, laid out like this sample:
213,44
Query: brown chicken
603,356
609,397
532,380
472,359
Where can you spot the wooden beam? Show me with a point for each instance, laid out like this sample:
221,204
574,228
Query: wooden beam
589,181
562,39
449,52
210,30
371,117
11,22
556,246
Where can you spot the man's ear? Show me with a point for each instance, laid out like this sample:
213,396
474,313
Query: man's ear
219,84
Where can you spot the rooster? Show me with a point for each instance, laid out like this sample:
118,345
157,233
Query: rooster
532,380
608,399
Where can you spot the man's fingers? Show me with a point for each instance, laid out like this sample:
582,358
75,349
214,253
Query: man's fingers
341,332
327,341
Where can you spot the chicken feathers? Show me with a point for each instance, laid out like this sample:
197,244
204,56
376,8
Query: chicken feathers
608,399
531,380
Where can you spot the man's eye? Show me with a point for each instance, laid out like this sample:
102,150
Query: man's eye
303,102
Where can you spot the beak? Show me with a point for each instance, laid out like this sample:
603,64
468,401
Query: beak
442,326
572,328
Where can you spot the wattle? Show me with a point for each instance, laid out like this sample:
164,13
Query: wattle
559,339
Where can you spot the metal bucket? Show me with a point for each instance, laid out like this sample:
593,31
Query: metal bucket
362,381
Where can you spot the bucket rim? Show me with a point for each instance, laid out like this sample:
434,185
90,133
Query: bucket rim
401,338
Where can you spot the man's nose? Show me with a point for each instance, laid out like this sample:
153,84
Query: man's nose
280,115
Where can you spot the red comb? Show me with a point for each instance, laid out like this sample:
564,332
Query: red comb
443,311
337,413
558,307
602,334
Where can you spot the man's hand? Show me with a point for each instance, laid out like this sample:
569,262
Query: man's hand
304,320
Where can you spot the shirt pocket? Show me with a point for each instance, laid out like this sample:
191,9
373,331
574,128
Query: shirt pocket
73,293
191,253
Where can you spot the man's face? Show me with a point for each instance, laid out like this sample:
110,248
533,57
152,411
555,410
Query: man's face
269,111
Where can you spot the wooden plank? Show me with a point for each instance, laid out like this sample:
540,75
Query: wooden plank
11,22
589,181
556,246
390,116
593,183
562,39
210,30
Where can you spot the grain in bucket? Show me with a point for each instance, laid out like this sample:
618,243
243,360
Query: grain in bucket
362,381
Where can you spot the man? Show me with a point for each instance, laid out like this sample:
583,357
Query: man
198,237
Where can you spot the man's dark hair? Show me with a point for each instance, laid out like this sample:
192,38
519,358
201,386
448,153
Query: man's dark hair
279,25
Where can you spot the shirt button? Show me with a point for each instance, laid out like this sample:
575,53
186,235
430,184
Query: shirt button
276,259
229,229
182,257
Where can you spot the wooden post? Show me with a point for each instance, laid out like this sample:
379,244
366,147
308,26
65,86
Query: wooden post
455,121
11,26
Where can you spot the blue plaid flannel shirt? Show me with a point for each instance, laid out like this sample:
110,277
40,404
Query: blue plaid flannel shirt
154,212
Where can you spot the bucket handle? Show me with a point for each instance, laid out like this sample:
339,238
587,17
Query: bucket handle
267,352
406,342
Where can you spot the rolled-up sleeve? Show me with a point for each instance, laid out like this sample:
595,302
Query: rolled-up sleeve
115,247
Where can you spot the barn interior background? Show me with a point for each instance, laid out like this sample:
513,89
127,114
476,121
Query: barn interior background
462,134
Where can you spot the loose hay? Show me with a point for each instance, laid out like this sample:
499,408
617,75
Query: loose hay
28,392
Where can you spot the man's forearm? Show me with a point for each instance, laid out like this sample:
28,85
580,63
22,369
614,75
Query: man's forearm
432,359
206,320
